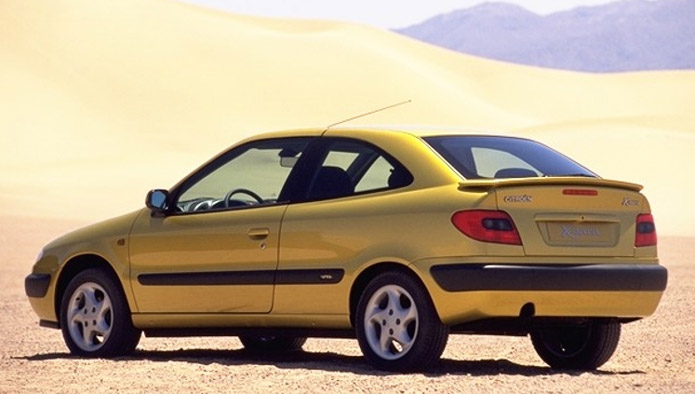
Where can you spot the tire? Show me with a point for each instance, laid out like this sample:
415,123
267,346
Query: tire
95,318
272,344
397,326
582,347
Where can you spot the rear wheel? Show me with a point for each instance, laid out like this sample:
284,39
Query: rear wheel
272,344
584,347
398,328
95,318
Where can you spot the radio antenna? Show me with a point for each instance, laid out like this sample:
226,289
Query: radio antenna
368,113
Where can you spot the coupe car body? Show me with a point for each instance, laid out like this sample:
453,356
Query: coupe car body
395,237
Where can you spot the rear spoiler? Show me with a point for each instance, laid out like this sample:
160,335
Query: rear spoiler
485,184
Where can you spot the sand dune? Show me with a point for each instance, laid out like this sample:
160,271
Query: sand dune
103,100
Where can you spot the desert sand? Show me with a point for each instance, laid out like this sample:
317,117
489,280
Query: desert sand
103,100
656,354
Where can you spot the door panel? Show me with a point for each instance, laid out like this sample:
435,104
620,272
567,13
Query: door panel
216,250
214,262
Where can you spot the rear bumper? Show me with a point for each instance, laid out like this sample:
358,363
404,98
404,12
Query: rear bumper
466,291
546,277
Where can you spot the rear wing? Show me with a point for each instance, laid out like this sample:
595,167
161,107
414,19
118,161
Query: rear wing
485,184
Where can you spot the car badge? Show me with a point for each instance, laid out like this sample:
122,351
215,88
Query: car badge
630,202
518,198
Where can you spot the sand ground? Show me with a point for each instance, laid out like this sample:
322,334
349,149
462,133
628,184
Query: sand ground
655,355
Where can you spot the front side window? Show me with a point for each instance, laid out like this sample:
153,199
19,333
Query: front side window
250,175
353,167
481,157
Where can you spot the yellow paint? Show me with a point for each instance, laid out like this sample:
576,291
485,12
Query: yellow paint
410,227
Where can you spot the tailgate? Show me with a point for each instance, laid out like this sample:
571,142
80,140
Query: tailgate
573,216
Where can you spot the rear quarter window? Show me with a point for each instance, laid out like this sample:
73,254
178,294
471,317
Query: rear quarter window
354,167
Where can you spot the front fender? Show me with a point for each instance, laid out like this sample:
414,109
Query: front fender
104,243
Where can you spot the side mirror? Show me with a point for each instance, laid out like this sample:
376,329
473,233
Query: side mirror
157,200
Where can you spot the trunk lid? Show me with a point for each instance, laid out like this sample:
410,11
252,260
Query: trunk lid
570,216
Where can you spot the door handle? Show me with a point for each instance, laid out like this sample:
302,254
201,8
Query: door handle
259,233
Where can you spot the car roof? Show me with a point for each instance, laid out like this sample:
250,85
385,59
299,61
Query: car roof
413,130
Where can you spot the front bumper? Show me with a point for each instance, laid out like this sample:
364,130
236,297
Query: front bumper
39,289
36,285
592,277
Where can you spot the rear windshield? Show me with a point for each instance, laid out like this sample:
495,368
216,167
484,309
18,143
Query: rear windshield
478,157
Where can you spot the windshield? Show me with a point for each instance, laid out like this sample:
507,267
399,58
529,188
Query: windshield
480,157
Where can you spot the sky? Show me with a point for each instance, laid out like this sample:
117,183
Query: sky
388,14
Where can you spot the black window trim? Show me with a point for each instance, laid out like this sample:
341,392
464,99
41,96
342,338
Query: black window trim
298,182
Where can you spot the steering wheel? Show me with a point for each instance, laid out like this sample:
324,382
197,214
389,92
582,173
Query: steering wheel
243,191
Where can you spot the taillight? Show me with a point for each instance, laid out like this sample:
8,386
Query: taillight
645,235
487,226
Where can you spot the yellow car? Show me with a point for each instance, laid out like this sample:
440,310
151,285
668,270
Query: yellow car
397,238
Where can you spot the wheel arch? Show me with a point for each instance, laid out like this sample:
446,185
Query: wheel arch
72,268
366,276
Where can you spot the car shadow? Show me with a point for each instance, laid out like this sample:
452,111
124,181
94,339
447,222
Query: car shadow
332,362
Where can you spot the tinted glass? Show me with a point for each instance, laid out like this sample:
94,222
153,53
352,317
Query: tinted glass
353,167
477,157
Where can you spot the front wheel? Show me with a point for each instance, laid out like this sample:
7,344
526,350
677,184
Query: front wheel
584,347
272,344
95,318
398,328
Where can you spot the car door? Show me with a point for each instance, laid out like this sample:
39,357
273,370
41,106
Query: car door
216,249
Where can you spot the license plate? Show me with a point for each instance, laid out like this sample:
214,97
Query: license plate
578,233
